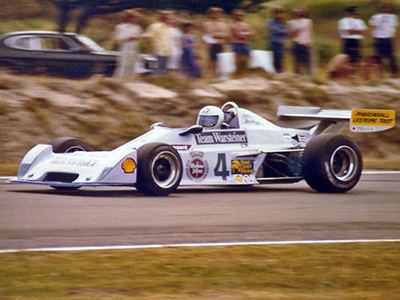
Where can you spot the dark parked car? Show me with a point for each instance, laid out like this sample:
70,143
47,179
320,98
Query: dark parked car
54,53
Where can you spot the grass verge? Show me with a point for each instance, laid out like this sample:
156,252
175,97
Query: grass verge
334,271
8,169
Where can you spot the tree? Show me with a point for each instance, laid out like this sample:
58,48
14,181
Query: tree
85,9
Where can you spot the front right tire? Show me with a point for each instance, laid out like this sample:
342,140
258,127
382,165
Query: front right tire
67,145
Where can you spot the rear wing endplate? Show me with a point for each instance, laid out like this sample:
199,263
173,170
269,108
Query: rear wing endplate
360,120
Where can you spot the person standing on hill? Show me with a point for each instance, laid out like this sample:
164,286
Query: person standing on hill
127,34
160,37
301,33
351,30
277,30
216,36
384,32
190,65
173,64
242,34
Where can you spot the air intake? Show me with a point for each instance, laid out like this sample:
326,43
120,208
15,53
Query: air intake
61,177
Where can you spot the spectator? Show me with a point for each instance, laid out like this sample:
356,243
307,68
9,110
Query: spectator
189,61
127,34
174,60
242,34
351,30
384,32
159,35
277,30
301,33
340,67
216,36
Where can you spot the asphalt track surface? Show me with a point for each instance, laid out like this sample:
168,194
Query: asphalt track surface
40,217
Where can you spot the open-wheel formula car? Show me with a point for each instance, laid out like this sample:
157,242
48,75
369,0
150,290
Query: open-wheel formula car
228,146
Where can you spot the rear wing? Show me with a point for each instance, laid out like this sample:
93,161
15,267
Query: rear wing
333,120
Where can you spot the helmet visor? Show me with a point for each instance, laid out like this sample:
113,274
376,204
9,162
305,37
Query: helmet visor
208,121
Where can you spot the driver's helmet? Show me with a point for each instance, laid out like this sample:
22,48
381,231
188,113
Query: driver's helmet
210,116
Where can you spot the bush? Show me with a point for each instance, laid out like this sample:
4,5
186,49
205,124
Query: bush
326,50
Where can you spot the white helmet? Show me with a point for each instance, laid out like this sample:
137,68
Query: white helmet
210,116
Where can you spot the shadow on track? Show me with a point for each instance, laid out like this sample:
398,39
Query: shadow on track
132,192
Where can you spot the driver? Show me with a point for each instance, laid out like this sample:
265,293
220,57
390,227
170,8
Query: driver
210,116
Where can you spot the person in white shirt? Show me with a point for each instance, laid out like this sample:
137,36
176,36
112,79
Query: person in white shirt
173,63
384,32
301,33
351,30
127,34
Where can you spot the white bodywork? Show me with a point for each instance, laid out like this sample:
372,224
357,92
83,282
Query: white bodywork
231,156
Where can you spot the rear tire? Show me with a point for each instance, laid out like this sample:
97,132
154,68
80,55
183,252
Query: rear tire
332,163
159,169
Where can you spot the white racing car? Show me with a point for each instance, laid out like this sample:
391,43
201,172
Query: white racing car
228,146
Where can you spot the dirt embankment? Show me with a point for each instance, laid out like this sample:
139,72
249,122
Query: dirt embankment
105,112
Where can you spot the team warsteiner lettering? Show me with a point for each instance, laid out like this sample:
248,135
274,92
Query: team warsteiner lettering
221,137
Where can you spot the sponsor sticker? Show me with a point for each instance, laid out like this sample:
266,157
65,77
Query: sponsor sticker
242,166
197,167
367,120
243,178
73,162
129,165
182,147
221,137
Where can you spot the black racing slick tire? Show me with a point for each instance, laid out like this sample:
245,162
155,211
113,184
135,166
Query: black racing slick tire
332,163
68,145
159,169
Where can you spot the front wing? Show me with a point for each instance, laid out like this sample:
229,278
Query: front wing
42,166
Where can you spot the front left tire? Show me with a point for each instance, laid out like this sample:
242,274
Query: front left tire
159,169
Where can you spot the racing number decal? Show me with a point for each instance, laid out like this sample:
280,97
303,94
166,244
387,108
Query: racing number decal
221,169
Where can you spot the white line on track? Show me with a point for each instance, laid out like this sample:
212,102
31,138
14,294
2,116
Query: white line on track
377,172
197,245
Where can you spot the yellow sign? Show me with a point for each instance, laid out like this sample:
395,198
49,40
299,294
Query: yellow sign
371,120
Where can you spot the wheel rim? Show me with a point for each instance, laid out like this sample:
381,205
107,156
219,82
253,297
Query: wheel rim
165,169
343,163
75,148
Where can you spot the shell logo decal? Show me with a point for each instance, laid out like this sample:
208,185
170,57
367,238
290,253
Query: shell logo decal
129,165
